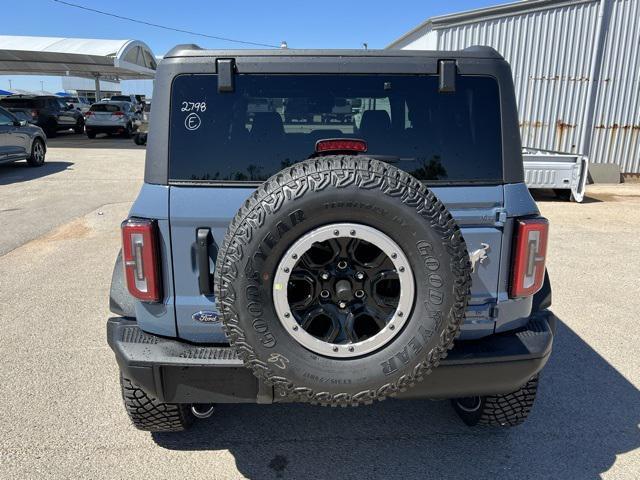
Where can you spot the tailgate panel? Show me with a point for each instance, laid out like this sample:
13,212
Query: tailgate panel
192,208
477,210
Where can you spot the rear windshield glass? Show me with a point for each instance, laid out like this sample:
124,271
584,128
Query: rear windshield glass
105,107
271,121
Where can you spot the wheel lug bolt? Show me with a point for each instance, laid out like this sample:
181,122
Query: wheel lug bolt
324,294
342,264
325,276
336,232
287,315
295,328
394,255
351,349
400,314
352,232
286,270
359,293
342,305
294,256
359,275
401,269
335,349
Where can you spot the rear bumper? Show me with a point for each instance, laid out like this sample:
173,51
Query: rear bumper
119,128
179,372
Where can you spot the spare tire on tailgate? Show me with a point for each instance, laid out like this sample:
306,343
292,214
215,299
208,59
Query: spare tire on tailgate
342,280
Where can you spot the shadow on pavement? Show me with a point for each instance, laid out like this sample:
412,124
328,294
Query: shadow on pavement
586,414
543,195
17,172
71,140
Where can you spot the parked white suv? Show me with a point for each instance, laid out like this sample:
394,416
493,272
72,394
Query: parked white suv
78,103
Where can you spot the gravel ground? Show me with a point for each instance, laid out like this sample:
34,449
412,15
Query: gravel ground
62,415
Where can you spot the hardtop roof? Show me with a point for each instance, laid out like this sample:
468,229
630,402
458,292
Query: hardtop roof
192,50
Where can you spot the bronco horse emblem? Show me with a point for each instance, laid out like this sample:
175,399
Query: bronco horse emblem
479,255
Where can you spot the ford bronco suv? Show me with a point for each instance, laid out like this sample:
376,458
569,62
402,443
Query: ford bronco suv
269,258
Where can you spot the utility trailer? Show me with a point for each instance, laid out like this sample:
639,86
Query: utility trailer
564,173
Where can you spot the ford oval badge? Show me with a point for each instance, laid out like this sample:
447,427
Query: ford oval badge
206,316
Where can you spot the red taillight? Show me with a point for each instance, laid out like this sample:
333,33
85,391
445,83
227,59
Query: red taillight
141,259
88,114
118,114
530,253
341,145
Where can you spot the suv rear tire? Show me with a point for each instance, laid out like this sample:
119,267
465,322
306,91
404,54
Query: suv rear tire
128,131
147,414
506,410
140,138
79,128
51,129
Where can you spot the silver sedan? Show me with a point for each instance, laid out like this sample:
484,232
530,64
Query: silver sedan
20,140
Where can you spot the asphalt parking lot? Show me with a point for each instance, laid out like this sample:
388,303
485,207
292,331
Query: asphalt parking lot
61,409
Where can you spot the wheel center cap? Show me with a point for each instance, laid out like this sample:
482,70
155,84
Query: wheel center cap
343,290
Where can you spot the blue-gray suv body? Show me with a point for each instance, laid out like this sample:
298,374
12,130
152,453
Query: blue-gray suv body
389,251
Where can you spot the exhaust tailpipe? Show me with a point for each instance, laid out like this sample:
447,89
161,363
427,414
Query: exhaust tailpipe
202,410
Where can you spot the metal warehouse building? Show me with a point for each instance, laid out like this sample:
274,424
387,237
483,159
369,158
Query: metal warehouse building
576,67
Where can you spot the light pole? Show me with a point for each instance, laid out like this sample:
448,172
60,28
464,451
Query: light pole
10,84
41,86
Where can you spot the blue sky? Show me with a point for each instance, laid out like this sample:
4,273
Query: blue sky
303,24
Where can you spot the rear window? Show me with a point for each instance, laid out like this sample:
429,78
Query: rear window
121,98
272,121
105,107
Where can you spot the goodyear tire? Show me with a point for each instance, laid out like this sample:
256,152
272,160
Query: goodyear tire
398,256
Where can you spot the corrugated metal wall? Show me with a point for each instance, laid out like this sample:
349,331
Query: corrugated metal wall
550,51
616,133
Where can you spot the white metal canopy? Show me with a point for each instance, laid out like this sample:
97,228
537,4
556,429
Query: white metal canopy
78,57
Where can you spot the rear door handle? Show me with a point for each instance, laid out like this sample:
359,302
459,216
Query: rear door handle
206,253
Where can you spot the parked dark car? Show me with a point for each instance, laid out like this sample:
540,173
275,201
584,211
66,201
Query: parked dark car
20,140
49,112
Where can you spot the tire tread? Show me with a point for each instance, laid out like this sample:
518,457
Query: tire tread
316,175
147,414
507,410
511,409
